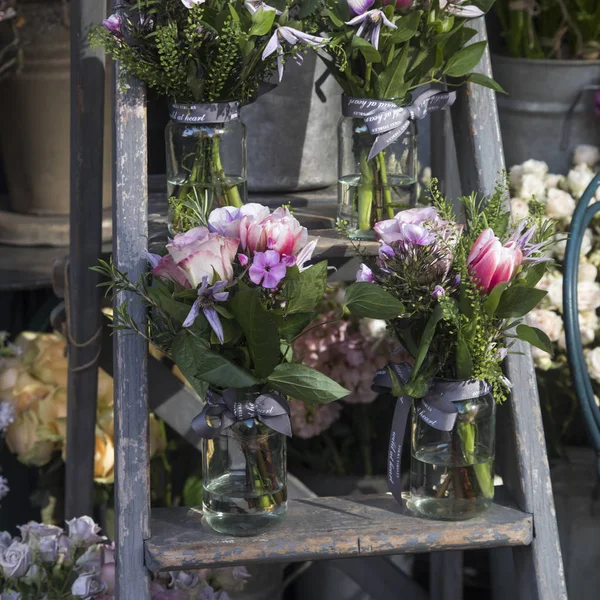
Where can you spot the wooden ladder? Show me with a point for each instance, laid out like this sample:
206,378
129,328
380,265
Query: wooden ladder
523,532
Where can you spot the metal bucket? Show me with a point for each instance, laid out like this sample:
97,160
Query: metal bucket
550,108
292,131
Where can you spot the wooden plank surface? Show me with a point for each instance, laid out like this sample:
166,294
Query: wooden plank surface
83,296
331,244
130,220
325,528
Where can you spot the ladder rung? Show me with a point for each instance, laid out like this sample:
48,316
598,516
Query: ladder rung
324,528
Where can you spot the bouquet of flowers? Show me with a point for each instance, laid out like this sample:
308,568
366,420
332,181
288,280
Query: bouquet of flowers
48,562
208,57
551,29
455,297
532,187
381,52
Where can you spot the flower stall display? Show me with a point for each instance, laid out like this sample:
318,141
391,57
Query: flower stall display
209,57
533,187
226,303
381,53
46,561
455,297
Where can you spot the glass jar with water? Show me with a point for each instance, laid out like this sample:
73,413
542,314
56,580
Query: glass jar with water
452,472
206,162
244,477
374,190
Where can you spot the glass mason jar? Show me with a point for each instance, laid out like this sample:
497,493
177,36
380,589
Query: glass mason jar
376,189
206,165
244,474
452,472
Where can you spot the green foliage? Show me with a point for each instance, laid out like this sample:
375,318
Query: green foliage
364,299
305,289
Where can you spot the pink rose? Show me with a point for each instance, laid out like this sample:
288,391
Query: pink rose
198,253
492,263
226,220
413,226
280,231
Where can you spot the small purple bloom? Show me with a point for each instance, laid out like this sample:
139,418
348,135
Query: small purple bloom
386,251
113,23
288,260
365,274
207,296
456,280
267,269
438,292
359,7
153,259
243,259
370,25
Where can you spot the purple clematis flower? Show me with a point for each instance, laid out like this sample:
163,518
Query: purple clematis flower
267,269
370,24
255,5
365,274
207,296
460,8
113,23
292,37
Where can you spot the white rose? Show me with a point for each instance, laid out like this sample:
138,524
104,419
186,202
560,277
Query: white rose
535,167
588,295
587,272
515,176
592,359
84,531
373,329
15,560
553,181
588,325
586,155
578,180
532,186
546,320
519,209
554,299
542,360
88,585
560,247
559,204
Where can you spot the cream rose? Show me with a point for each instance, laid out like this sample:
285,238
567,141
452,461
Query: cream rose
588,295
546,320
532,186
587,272
519,209
553,181
588,325
535,167
22,439
560,247
542,360
592,359
578,180
559,205
586,155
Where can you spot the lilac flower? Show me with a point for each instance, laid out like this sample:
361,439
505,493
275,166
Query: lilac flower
386,251
438,292
255,5
292,37
365,274
7,415
359,7
267,269
243,259
532,253
207,296
191,3
4,489
113,24
370,25
458,8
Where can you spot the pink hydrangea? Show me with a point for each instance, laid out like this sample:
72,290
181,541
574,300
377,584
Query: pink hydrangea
310,421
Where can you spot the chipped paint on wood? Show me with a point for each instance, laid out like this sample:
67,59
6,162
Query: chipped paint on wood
326,528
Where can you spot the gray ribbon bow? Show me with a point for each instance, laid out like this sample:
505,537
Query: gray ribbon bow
388,121
215,112
271,409
436,408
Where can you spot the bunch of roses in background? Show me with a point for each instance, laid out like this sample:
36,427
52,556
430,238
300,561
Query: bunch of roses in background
533,188
48,562
33,405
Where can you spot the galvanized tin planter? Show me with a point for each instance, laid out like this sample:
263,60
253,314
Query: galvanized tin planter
292,139
534,117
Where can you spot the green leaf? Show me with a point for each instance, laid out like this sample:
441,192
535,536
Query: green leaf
234,14
536,337
262,21
369,300
199,364
517,301
407,28
426,339
260,330
491,304
304,292
456,40
485,81
531,275
366,49
307,8
390,83
305,384
195,83
161,295
335,19
291,326
465,60
192,491
464,362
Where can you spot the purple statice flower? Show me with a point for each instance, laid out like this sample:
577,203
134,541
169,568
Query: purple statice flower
365,274
255,5
207,296
4,489
438,292
113,24
7,415
532,253
267,269
292,37
370,23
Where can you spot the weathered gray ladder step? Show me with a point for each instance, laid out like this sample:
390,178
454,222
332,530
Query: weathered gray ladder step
538,566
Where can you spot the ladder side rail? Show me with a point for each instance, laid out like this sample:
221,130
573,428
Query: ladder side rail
82,294
481,161
130,227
